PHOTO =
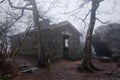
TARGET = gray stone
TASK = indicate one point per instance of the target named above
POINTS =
(104, 59)
(108, 73)
(115, 57)
(109, 36)
(34, 68)
(26, 71)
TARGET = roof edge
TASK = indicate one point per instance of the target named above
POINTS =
(62, 24)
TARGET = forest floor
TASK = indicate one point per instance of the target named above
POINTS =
(66, 70)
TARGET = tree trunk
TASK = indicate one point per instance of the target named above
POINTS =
(87, 65)
(41, 48)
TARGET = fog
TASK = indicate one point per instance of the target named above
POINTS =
(54, 31)
(59, 11)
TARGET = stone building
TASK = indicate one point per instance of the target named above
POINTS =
(58, 40)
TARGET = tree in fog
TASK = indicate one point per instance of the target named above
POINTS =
(31, 5)
(5, 29)
(87, 65)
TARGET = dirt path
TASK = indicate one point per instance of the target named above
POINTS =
(66, 70)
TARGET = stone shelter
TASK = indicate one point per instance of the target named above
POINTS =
(60, 40)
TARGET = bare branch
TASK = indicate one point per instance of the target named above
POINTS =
(82, 5)
(17, 51)
(83, 20)
(16, 7)
(87, 14)
(99, 1)
(27, 31)
(16, 19)
(50, 7)
(2, 1)
(100, 21)
(114, 5)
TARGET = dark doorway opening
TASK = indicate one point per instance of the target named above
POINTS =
(65, 43)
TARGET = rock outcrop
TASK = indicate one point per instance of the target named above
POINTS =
(106, 40)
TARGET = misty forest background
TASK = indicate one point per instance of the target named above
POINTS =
(96, 20)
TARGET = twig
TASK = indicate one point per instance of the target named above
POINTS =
(2, 1)
(22, 12)
(16, 7)
(82, 5)
(100, 21)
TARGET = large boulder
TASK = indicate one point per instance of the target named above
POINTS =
(106, 40)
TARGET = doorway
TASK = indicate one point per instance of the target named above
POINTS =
(65, 43)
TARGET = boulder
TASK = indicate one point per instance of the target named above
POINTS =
(106, 40)
(104, 59)
(115, 57)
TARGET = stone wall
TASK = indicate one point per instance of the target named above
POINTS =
(52, 39)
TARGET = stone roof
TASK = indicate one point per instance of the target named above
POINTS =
(62, 24)
(53, 27)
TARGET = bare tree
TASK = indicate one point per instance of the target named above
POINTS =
(32, 6)
(5, 29)
(87, 65)
(2, 1)
(5, 26)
